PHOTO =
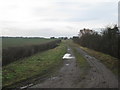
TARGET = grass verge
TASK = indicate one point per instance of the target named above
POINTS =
(37, 64)
(81, 61)
(83, 64)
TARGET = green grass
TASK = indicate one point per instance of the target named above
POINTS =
(81, 61)
(37, 64)
(16, 42)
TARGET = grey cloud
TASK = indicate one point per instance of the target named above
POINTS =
(74, 12)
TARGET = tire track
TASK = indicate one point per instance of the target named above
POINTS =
(103, 77)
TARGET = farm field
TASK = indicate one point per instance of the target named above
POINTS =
(17, 42)
(17, 48)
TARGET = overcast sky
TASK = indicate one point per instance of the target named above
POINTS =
(55, 17)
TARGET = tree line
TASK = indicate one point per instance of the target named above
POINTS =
(108, 41)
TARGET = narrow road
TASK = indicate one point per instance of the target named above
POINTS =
(69, 75)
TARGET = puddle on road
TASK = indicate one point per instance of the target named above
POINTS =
(68, 56)
(53, 78)
(68, 49)
(87, 56)
(67, 64)
(24, 87)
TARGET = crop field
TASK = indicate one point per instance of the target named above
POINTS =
(17, 42)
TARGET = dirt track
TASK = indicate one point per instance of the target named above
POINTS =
(69, 75)
(99, 76)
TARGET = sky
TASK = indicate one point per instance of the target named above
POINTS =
(47, 18)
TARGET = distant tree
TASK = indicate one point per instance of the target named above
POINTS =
(65, 38)
(52, 37)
